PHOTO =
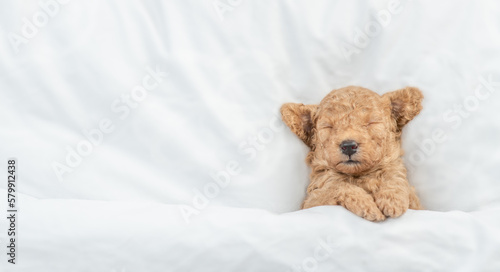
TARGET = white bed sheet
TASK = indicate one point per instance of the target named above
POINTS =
(197, 173)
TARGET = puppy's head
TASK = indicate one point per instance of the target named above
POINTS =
(353, 128)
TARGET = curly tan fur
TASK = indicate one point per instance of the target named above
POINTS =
(372, 182)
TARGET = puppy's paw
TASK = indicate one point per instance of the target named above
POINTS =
(392, 206)
(365, 208)
(372, 213)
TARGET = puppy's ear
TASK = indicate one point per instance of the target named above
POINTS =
(299, 118)
(405, 104)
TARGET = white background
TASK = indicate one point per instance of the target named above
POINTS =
(128, 204)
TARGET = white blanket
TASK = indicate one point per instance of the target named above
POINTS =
(148, 138)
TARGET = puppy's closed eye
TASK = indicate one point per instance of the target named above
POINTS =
(372, 123)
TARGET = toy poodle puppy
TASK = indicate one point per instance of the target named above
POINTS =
(355, 139)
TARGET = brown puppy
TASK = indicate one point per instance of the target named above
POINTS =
(355, 140)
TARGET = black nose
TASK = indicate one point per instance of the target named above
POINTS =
(349, 147)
